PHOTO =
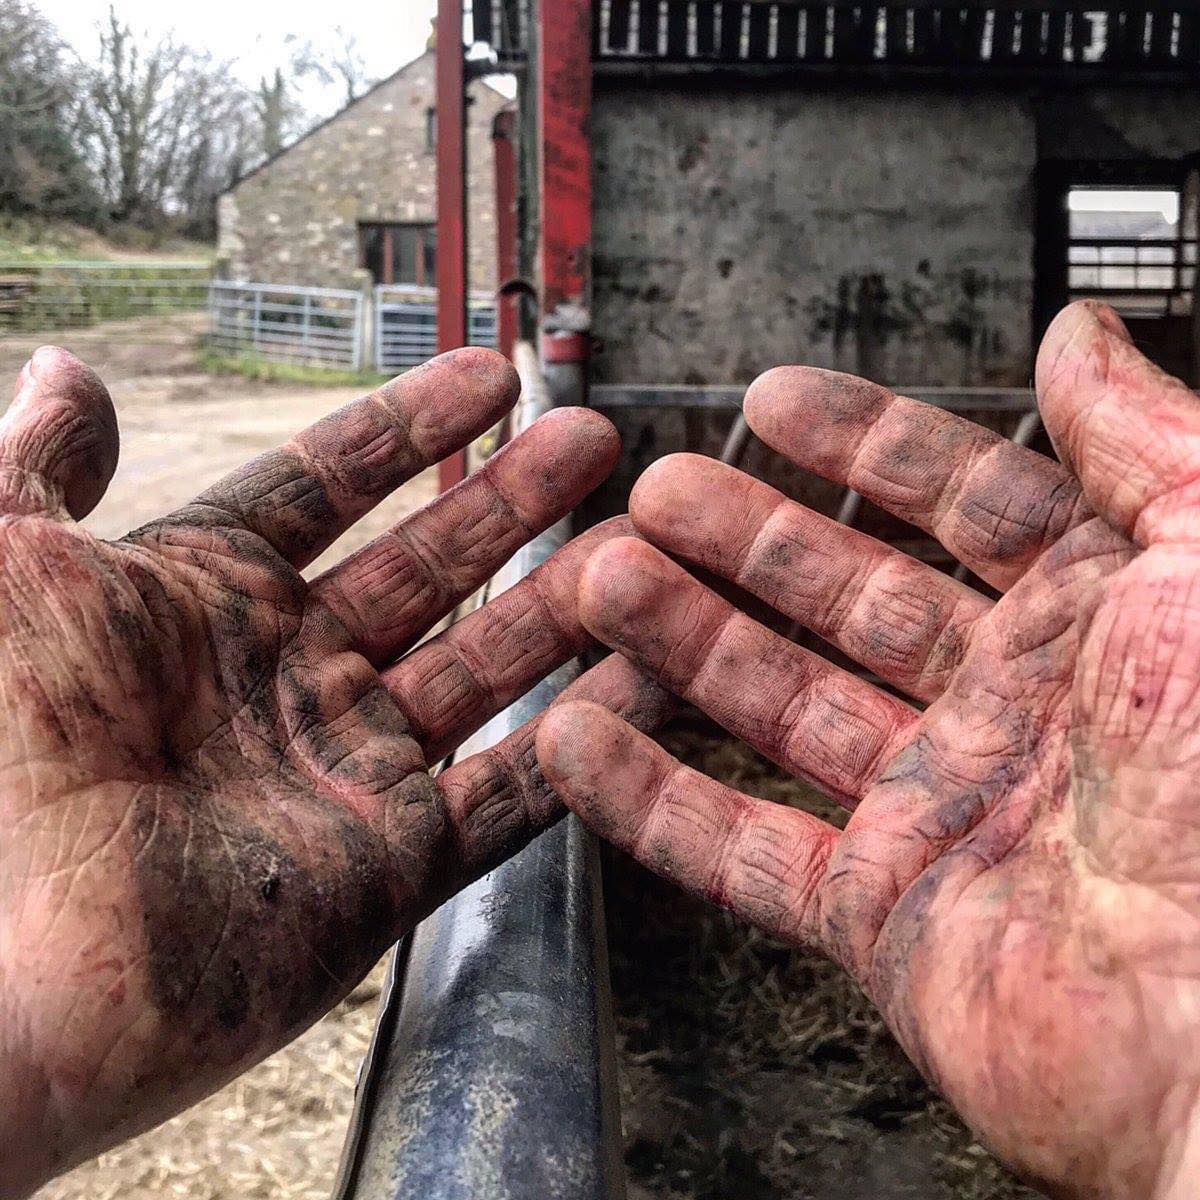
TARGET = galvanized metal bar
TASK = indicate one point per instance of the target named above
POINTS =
(451, 199)
(492, 1075)
(356, 333)
(504, 160)
(406, 327)
(377, 330)
(317, 326)
(736, 442)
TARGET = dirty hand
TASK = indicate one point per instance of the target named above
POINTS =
(215, 810)
(1018, 888)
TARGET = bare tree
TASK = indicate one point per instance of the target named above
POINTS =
(41, 167)
(342, 63)
(280, 115)
(167, 123)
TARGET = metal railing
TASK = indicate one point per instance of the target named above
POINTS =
(1025, 35)
(73, 294)
(406, 325)
(321, 327)
(1138, 269)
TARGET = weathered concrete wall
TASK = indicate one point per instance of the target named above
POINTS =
(296, 219)
(889, 232)
(885, 233)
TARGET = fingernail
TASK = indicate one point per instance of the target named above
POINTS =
(1107, 317)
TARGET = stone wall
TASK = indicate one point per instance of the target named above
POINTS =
(884, 231)
(295, 220)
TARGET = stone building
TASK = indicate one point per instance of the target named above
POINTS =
(356, 196)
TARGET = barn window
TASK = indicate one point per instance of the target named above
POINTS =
(397, 253)
(1127, 246)
(431, 131)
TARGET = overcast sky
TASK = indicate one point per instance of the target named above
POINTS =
(253, 31)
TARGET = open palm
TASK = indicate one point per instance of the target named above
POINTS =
(1018, 887)
(216, 810)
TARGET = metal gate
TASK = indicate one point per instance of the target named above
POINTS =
(406, 325)
(76, 294)
(309, 326)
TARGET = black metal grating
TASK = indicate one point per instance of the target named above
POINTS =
(1085, 36)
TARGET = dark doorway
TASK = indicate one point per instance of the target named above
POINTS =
(397, 253)
(1121, 232)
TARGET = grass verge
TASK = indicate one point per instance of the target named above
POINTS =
(262, 370)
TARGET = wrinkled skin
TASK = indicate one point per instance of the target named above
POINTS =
(215, 808)
(1018, 887)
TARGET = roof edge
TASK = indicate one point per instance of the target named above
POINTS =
(274, 158)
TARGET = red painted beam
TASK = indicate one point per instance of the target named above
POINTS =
(564, 81)
(505, 161)
(451, 199)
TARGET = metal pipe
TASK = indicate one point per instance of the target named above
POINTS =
(736, 442)
(494, 1074)
(504, 158)
(451, 200)
(564, 100)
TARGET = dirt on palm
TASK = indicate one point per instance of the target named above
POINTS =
(277, 1131)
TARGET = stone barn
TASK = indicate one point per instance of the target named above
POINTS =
(354, 200)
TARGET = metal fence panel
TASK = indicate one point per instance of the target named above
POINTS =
(319, 327)
(406, 325)
(73, 294)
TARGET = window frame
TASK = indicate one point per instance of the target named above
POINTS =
(387, 230)
(1056, 178)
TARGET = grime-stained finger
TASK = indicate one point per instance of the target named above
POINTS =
(498, 799)
(448, 686)
(900, 618)
(1128, 430)
(764, 861)
(391, 591)
(58, 439)
(994, 505)
(301, 497)
(813, 718)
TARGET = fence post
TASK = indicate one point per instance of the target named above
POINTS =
(361, 321)
(257, 318)
(366, 343)
(377, 324)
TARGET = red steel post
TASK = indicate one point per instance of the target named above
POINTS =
(564, 82)
(451, 200)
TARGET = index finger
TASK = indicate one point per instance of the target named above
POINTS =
(301, 497)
